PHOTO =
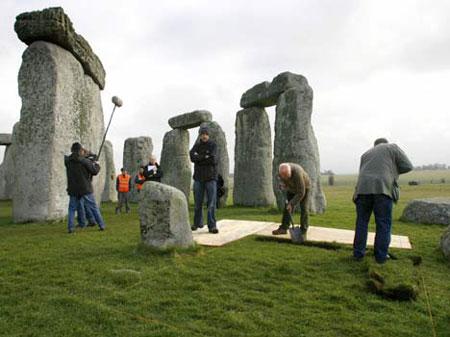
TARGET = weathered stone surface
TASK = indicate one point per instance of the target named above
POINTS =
(60, 105)
(190, 119)
(5, 139)
(266, 94)
(53, 25)
(223, 165)
(109, 192)
(428, 211)
(258, 96)
(445, 243)
(7, 172)
(175, 162)
(295, 142)
(164, 218)
(136, 153)
(253, 159)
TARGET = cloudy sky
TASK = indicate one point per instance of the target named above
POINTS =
(377, 68)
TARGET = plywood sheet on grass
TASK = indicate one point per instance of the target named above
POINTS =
(231, 230)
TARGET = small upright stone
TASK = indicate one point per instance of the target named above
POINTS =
(445, 243)
(164, 218)
(53, 25)
(136, 153)
(190, 120)
(109, 192)
(175, 162)
(5, 139)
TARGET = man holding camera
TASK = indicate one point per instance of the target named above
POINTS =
(80, 170)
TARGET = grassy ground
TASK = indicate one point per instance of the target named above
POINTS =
(99, 284)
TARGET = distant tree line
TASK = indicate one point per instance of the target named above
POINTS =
(432, 167)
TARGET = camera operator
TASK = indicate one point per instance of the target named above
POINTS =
(80, 170)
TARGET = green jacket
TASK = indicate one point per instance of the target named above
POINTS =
(379, 170)
(297, 184)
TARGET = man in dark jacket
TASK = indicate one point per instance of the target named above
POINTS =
(204, 156)
(79, 186)
(375, 191)
(152, 171)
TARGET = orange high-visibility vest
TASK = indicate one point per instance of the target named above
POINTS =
(124, 183)
(139, 186)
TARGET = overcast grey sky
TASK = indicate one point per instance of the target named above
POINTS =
(377, 68)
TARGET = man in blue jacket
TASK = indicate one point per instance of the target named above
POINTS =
(204, 156)
(375, 191)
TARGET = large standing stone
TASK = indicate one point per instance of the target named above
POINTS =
(217, 135)
(136, 153)
(109, 192)
(295, 141)
(53, 25)
(428, 211)
(164, 218)
(190, 119)
(60, 105)
(445, 243)
(175, 162)
(253, 159)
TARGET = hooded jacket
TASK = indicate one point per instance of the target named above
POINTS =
(79, 174)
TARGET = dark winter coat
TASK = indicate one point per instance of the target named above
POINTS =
(204, 157)
(79, 174)
(151, 175)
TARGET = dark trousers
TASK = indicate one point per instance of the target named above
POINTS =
(304, 212)
(122, 199)
(200, 188)
(381, 206)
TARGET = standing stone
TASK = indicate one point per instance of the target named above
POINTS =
(60, 105)
(109, 192)
(295, 141)
(136, 153)
(175, 162)
(217, 135)
(253, 159)
(445, 243)
(190, 120)
(164, 218)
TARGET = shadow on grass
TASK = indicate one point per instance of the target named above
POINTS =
(313, 244)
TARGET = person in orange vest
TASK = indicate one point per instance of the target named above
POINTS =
(139, 180)
(123, 187)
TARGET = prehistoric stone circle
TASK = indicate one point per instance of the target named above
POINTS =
(60, 105)
(175, 161)
(217, 135)
(295, 142)
(164, 218)
(53, 25)
(190, 120)
(136, 153)
(428, 211)
(109, 192)
(445, 243)
(253, 159)
(294, 137)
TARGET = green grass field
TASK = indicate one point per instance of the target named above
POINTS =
(100, 284)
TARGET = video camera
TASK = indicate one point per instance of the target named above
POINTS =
(91, 156)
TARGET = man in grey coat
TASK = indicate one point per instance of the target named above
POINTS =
(376, 190)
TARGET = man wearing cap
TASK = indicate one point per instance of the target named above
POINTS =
(79, 171)
(204, 156)
(375, 191)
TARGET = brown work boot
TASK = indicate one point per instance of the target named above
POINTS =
(279, 231)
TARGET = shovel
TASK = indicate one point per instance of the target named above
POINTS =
(295, 232)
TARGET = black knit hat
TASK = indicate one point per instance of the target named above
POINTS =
(203, 129)
(76, 147)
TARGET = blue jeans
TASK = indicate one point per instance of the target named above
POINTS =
(381, 206)
(76, 204)
(200, 187)
(91, 204)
